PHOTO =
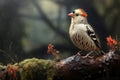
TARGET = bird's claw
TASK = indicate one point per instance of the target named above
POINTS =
(88, 55)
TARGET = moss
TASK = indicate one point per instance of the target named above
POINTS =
(30, 69)
(37, 69)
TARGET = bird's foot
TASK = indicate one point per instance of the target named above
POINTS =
(88, 55)
(79, 52)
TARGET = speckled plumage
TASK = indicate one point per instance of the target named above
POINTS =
(81, 33)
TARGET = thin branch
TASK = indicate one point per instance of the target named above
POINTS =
(8, 55)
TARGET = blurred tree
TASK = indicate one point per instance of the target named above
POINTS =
(11, 29)
(110, 14)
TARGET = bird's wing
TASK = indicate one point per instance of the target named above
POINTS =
(93, 36)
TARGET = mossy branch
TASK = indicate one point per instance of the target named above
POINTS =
(72, 68)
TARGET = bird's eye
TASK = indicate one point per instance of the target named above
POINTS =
(77, 14)
(73, 12)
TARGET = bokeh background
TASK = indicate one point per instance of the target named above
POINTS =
(28, 26)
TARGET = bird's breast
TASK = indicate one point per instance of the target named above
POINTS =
(81, 40)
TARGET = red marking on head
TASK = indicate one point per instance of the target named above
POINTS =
(83, 13)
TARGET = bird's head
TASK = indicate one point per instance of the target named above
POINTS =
(78, 15)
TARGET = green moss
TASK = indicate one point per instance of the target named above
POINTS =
(34, 69)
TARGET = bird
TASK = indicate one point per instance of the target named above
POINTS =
(82, 33)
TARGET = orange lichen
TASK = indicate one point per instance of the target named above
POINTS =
(54, 52)
(12, 70)
(112, 43)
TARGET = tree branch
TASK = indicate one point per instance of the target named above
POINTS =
(75, 67)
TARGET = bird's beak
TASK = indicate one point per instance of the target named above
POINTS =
(71, 14)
